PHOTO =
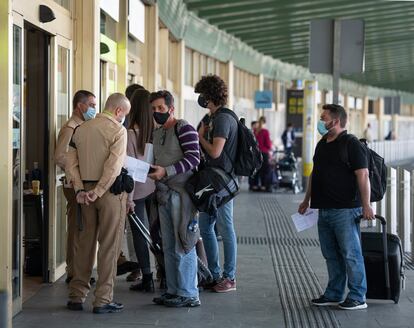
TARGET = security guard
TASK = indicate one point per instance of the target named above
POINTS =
(95, 159)
(84, 104)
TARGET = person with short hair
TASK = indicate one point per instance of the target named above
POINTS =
(341, 192)
(84, 109)
(94, 161)
(288, 138)
(219, 143)
(176, 154)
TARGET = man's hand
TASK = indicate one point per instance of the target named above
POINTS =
(202, 130)
(158, 174)
(91, 196)
(303, 207)
(130, 206)
(368, 213)
(81, 198)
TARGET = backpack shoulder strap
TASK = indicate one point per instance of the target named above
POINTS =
(343, 150)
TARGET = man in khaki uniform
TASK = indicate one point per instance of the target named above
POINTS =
(84, 103)
(95, 158)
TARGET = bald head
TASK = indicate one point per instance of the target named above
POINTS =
(118, 105)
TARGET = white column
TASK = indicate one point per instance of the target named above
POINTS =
(230, 86)
(391, 216)
(122, 47)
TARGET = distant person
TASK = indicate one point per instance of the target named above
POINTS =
(288, 138)
(265, 145)
(254, 125)
(390, 135)
(368, 133)
(341, 192)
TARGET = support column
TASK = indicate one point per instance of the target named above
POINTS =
(150, 57)
(6, 160)
(365, 105)
(86, 46)
(309, 128)
(122, 47)
(180, 78)
(380, 114)
(164, 55)
(230, 85)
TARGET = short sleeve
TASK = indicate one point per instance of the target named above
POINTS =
(357, 155)
(221, 128)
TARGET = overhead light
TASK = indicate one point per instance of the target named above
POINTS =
(46, 14)
(104, 48)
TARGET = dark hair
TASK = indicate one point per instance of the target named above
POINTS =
(213, 88)
(337, 112)
(129, 91)
(253, 123)
(166, 95)
(262, 119)
(289, 125)
(141, 115)
(81, 96)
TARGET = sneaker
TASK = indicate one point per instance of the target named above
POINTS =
(108, 308)
(225, 285)
(350, 304)
(181, 301)
(323, 301)
(164, 297)
(74, 306)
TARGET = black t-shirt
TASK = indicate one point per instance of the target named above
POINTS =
(334, 183)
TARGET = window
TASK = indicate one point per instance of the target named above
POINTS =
(371, 107)
(64, 3)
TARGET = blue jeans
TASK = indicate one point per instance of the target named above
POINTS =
(225, 227)
(180, 268)
(341, 248)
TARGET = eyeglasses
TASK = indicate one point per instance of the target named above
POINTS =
(163, 136)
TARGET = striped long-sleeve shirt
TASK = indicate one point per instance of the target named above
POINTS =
(188, 139)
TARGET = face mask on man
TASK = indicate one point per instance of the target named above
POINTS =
(89, 114)
(122, 120)
(161, 118)
(322, 129)
(202, 101)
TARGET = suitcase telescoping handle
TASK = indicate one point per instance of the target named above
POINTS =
(385, 251)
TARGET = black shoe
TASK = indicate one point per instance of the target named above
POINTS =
(126, 267)
(92, 281)
(181, 301)
(323, 301)
(108, 308)
(350, 304)
(147, 284)
(74, 306)
(164, 297)
(211, 284)
(68, 279)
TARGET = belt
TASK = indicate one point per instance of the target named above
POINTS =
(90, 181)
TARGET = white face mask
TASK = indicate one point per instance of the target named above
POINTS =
(122, 121)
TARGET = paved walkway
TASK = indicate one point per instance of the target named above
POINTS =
(278, 271)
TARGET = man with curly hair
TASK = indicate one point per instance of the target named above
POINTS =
(219, 142)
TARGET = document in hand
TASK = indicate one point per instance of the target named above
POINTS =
(305, 221)
(137, 169)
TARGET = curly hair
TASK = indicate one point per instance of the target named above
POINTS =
(213, 88)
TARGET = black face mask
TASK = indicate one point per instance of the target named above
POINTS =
(202, 101)
(161, 118)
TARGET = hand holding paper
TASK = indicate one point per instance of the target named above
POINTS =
(305, 221)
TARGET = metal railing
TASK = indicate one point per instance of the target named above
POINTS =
(394, 150)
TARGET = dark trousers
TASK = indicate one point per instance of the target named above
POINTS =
(264, 174)
(140, 245)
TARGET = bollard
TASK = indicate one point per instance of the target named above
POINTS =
(3, 309)
(392, 201)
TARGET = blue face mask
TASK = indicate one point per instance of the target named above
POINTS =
(322, 128)
(89, 114)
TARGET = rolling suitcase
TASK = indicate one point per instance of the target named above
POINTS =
(384, 263)
(203, 273)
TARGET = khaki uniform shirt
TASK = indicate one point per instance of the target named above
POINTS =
(97, 153)
(64, 137)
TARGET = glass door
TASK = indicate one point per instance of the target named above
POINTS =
(61, 109)
(17, 265)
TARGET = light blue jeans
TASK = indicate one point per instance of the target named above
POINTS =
(341, 247)
(180, 268)
(225, 227)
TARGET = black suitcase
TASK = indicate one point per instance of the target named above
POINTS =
(203, 273)
(384, 263)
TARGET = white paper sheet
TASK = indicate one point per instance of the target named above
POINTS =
(305, 221)
(137, 169)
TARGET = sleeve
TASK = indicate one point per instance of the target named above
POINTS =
(221, 127)
(188, 139)
(113, 164)
(267, 140)
(357, 155)
(72, 165)
(64, 137)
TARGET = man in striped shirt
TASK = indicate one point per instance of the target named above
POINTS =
(176, 153)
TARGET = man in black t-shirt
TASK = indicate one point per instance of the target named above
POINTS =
(218, 140)
(341, 192)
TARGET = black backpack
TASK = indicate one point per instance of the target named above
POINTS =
(248, 156)
(376, 167)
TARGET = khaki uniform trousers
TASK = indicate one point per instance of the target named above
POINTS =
(103, 223)
(71, 209)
